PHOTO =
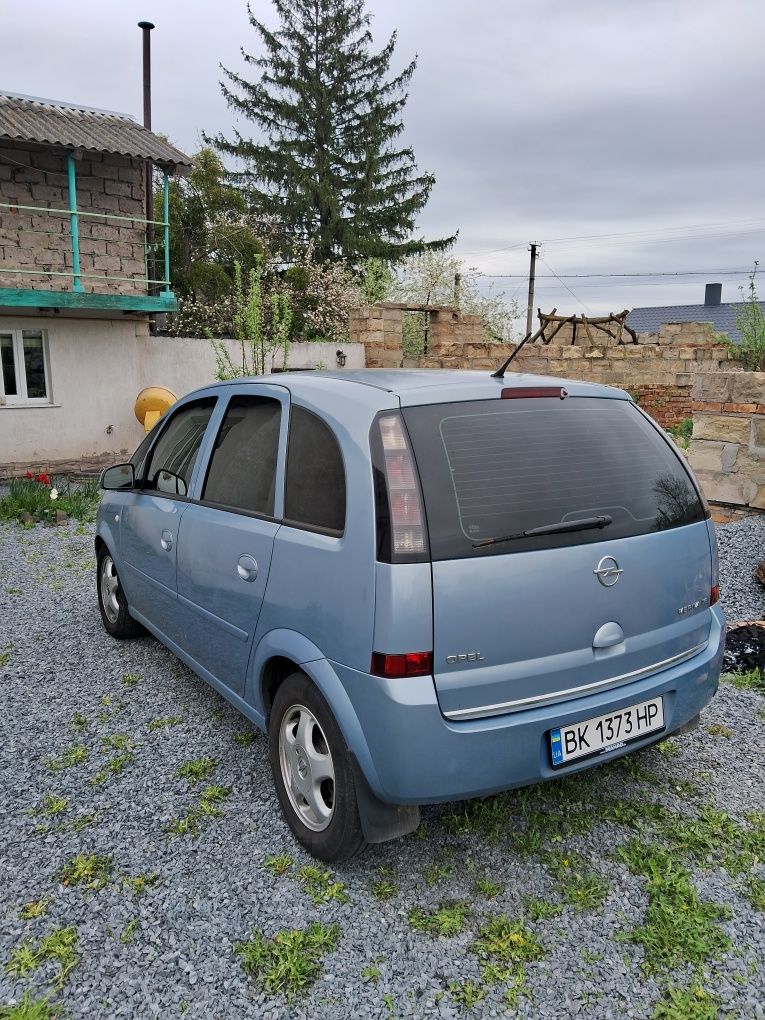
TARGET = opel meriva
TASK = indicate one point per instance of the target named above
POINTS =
(423, 585)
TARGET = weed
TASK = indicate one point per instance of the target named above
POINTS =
(13, 591)
(755, 892)
(73, 756)
(668, 748)
(91, 870)
(383, 889)
(678, 927)
(216, 715)
(195, 771)
(34, 909)
(79, 721)
(750, 680)
(319, 885)
(245, 739)
(489, 817)
(485, 887)
(278, 864)
(467, 993)
(507, 942)
(59, 946)
(118, 742)
(718, 730)
(139, 884)
(164, 723)
(53, 805)
(210, 797)
(540, 910)
(686, 1004)
(577, 883)
(128, 932)
(185, 825)
(370, 973)
(389, 1001)
(290, 962)
(437, 873)
(30, 1009)
(448, 920)
(113, 767)
(130, 679)
(682, 432)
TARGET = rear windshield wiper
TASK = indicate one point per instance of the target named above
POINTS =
(581, 524)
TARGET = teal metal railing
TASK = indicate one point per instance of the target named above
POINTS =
(75, 215)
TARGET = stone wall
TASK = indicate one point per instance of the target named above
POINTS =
(727, 450)
(39, 242)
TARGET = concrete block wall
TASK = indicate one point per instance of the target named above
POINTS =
(379, 329)
(40, 241)
(727, 450)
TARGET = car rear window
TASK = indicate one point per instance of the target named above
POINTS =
(495, 468)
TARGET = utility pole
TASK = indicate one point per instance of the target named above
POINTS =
(532, 276)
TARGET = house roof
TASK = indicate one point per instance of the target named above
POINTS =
(722, 317)
(50, 122)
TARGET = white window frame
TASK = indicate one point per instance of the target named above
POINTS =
(15, 399)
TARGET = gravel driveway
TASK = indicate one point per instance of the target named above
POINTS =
(613, 894)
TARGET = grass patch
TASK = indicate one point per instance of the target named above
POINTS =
(289, 963)
(540, 910)
(195, 771)
(505, 941)
(678, 927)
(245, 739)
(31, 1009)
(577, 884)
(59, 946)
(718, 730)
(755, 892)
(141, 883)
(447, 921)
(164, 723)
(53, 805)
(467, 993)
(70, 758)
(320, 886)
(371, 973)
(210, 797)
(278, 864)
(34, 909)
(130, 679)
(489, 817)
(113, 767)
(184, 825)
(485, 887)
(128, 932)
(749, 680)
(91, 870)
(686, 1004)
(78, 721)
(438, 873)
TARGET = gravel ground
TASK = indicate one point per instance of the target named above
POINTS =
(742, 546)
(212, 890)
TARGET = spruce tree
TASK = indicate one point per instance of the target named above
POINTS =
(326, 163)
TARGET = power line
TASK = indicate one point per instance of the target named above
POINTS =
(585, 276)
(573, 295)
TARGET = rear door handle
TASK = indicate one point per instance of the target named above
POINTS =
(247, 568)
(166, 541)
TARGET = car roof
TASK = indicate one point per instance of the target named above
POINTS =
(425, 386)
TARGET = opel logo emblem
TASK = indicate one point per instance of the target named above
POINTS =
(608, 571)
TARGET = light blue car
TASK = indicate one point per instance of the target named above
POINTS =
(423, 585)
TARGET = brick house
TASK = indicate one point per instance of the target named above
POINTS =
(75, 292)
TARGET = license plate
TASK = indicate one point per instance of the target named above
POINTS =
(606, 732)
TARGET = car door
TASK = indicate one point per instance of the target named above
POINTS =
(152, 512)
(227, 533)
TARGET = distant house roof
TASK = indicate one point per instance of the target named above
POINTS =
(722, 315)
(49, 122)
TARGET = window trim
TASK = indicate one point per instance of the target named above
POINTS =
(315, 529)
(17, 345)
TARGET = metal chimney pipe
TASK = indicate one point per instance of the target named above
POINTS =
(713, 294)
(146, 27)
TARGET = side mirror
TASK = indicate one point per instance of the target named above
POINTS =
(121, 476)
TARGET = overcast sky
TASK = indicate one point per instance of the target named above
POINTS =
(643, 120)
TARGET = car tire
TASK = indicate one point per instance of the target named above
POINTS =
(115, 615)
(313, 773)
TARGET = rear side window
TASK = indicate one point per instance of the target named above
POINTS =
(315, 495)
(242, 473)
(497, 468)
(172, 460)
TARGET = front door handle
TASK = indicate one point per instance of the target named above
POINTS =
(247, 568)
(166, 541)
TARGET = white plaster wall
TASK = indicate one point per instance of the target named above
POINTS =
(98, 367)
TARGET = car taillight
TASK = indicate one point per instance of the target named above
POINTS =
(401, 665)
(407, 517)
(714, 594)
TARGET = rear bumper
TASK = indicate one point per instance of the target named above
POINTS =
(420, 757)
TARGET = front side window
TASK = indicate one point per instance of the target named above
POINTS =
(24, 366)
(242, 473)
(172, 460)
(315, 494)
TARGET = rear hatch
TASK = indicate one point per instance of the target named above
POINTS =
(532, 620)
